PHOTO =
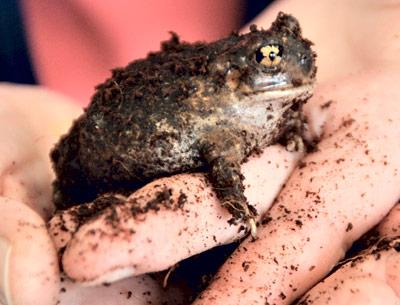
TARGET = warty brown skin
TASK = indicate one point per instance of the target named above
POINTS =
(189, 107)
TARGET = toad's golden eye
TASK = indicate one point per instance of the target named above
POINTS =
(269, 55)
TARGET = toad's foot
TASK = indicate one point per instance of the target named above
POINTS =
(242, 212)
(295, 143)
(251, 224)
(297, 136)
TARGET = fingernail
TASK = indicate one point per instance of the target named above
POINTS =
(5, 251)
(111, 276)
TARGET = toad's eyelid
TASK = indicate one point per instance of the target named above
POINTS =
(271, 45)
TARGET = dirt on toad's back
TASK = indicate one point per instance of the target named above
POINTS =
(124, 111)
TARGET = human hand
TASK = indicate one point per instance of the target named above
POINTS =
(104, 243)
(32, 120)
(311, 220)
(370, 277)
(340, 192)
(28, 261)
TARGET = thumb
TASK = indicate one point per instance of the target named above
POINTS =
(29, 271)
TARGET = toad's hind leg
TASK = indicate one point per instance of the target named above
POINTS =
(227, 181)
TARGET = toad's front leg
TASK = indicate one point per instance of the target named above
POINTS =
(224, 158)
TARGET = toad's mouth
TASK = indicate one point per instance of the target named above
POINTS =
(287, 92)
(282, 83)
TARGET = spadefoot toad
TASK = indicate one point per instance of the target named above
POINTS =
(189, 108)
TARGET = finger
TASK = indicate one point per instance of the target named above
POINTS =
(180, 216)
(372, 277)
(28, 262)
(142, 290)
(340, 192)
(26, 138)
(64, 224)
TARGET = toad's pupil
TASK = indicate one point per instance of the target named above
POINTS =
(272, 56)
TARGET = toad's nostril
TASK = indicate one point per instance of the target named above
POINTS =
(304, 59)
(297, 82)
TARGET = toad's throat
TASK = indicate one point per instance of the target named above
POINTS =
(264, 110)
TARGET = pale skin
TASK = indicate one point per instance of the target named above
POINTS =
(352, 179)
(28, 260)
(344, 190)
(373, 274)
